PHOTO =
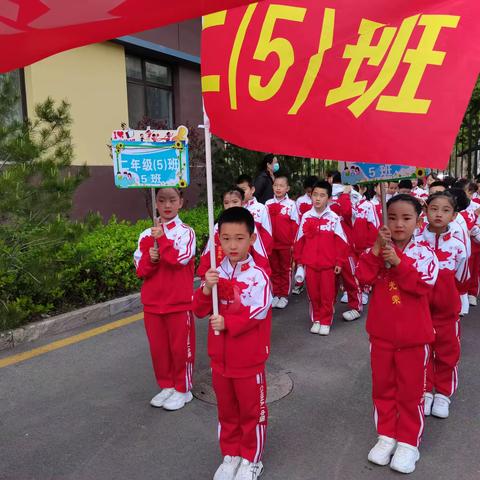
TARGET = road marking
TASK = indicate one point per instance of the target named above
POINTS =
(20, 357)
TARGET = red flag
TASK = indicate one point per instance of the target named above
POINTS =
(368, 81)
(34, 29)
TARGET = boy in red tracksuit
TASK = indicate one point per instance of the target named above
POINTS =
(258, 210)
(284, 215)
(321, 249)
(165, 256)
(238, 354)
(233, 198)
(402, 272)
(445, 304)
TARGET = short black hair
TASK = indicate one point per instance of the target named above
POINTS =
(472, 187)
(420, 182)
(325, 186)
(244, 178)
(461, 198)
(178, 190)
(405, 197)
(234, 189)
(309, 182)
(439, 183)
(336, 176)
(452, 200)
(370, 191)
(461, 183)
(282, 175)
(237, 215)
(449, 181)
(405, 184)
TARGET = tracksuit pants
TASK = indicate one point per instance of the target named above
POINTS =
(442, 370)
(242, 415)
(474, 266)
(321, 291)
(281, 265)
(398, 387)
(350, 284)
(172, 346)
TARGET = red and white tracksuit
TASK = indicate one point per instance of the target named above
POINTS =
(366, 223)
(420, 193)
(304, 204)
(400, 328)
(445, 308)
(257, 250)
(238, 356)
(262, 221)
(168, 319)
(320, 246)
(473, 224)
(284, 217)
(342, 204)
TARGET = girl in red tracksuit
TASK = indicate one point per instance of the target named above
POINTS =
(238, 354)
(321, 249)
(165, 256)
(233, 198)
(284, 216)
(402, 272)
(445, 303)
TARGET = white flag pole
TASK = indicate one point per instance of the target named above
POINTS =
(211, 221)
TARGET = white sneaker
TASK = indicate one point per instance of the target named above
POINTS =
(249, 471)
(177, 400)
(364, 298)
(472, 300)
(275, 302)
(405, 458)
(282, 302)
(427, 406)
(324, 330)
(298, 289)
(351, 315)
(440, 407)
(315, 327)
(226, 471)
(383, 450)
(344, 298)
(465, 305)
(159, 399)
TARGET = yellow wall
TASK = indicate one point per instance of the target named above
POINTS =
(93, 80)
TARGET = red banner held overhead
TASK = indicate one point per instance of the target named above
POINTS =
(371, 81)
(34, 29)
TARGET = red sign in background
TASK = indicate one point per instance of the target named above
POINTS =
(371, 80)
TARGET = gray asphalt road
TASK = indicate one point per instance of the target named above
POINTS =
(82, 412)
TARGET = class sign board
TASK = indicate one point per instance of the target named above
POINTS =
(151, 158)
(376, 81)
(358, 173)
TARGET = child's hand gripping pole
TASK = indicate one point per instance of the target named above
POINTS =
(154, 215)
(384, 215)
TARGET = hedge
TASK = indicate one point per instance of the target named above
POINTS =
(93, 263)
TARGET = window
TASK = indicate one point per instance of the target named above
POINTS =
(149, 90)
(18, 84)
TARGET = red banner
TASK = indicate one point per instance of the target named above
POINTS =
(34, 29)
(367, 80)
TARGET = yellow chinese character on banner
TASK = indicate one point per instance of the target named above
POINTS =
(394, 41)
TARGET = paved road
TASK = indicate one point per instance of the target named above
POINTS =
(82, 412)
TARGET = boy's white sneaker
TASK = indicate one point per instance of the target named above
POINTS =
(324, 330)
(282, 302)
(472, 300)
(344, 298)
(351, 315)
(177, 400)
(405, 458)
(440, 407)
(427, 406)
(249, 470)
(275, 302)
(315, 327)
(364, 298)
(160, 398)
(383, 450)
(226, 471)
(465, 305)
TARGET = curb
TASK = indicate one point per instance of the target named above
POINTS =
(77, 318)
(68, 321)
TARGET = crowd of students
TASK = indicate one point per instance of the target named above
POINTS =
(418, 269)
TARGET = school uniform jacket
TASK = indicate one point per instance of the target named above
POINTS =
(304, 204)
(245, 299)
(285, 220)
(399, 311)
(342, 204)
(453, 271)
(321, 242)
(262, 221)
(366, 223)
(176, 249)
